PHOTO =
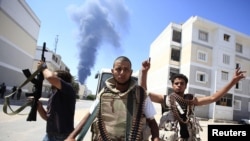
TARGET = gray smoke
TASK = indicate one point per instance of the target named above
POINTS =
(98, 21)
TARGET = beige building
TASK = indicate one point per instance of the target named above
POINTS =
(207, 53)
(19, 29)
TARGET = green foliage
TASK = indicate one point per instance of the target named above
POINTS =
(91, 97)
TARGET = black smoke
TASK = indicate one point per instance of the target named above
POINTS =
(98, 21)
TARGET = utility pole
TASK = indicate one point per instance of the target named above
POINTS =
(56, 41)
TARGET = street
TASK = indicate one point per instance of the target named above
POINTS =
(15, 127)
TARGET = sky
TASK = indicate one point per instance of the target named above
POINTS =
(92, 33)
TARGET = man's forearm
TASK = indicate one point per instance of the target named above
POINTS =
(143, 79)
(78, 128)
(41, 111)
(154, 129)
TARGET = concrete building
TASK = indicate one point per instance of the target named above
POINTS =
(207, 53)
(19, 29)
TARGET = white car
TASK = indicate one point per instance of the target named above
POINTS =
(245, 121)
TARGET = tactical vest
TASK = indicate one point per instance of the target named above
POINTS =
(121, 116)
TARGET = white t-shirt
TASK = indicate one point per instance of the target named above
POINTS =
(149, 108)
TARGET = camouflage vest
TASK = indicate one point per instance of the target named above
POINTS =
(121, 116)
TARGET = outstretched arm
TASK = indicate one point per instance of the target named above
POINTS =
(238, 75)
(78, 128)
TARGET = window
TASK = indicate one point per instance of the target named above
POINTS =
(203, 36)
(224, 75)
(238, 48)
(226, 100)
(237, 65)
(238, 86)
(175, 54)
(173, 71)
(54, 58)
(201, 77)
(237, 105)
(176, 36)
(226, 37)
(202, 56)
(226, 59)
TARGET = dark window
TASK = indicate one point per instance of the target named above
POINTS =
(226, 37)
(173, 71)
(203, 36)
(201, 78)
(176, 36)
(225, 100)
(175, 55)
(237, 85)
(238, 48)
(237, 65)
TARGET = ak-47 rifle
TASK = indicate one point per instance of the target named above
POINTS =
(38, 85)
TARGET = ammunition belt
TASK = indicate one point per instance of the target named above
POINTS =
(136, 128)
(183, 103)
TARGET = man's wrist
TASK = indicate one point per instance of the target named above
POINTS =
(44, 66)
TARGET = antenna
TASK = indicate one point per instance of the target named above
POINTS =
(56, 41)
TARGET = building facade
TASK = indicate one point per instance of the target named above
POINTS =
(207, 53)
(19, 29)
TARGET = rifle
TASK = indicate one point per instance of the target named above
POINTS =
(38, 85)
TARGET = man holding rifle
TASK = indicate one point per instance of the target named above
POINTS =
(61, 104)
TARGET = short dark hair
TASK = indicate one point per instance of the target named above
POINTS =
(64, 75)
(181, 76)
(123, 58)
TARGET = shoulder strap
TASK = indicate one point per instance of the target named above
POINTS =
(6, 99)
(164, 106)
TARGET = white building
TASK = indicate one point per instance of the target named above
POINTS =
(19, 29)
(207, 53)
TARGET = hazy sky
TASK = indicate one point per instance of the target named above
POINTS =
(92, 33)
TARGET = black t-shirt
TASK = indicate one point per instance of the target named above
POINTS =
(61, 110)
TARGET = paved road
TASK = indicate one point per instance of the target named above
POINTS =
(15, 127)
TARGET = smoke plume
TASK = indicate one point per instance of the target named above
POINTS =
(98, 21)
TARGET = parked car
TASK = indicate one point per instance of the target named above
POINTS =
(245, 121)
